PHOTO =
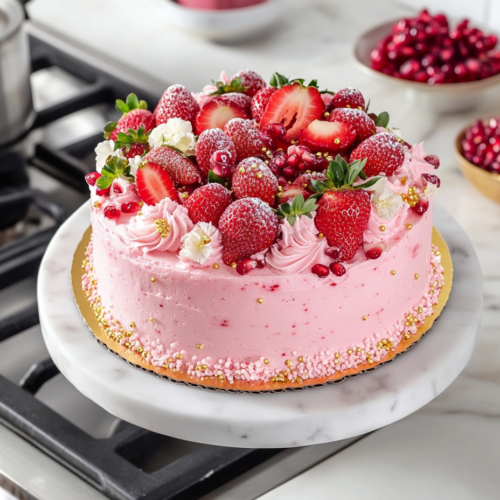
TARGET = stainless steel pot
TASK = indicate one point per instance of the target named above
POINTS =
(16, 105)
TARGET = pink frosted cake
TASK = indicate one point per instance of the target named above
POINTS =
(257, 236)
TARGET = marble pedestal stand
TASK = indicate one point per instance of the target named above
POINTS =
(288, 419)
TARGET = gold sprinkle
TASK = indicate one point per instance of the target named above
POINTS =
(358, 349)
(266, 361)
(153, 279)
(233, 265)
(329, 158)
(140, 349)
(321, 235)
(336, 140)
(141, 203)
(325, 154)
(206, 240)
(139, 213)
(349, 351)
(165, 366)
(298, 380)
(382, 228)
(407, 335)
(215, 266)
(151, 319)
(393, 272)
(169, 360)
(364, 318)
(203, 367)
(185, 195)
(337, 355)
(288, 362)
(326, 114)
(259, 175)
(438, 253)
(179, 356)
(264, 149)
(221, 377)
(97, 204)
(241, 170)
(301, 359)
(145, 354)
(273, 379)
(420, 310)
(409, 226)
(199, 346)
(260, 300)
(255, 167)
(417, 276)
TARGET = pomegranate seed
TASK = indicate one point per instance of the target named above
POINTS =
(320, 270)
(244, 266)
(111, 212)
(103, 192)
(337, 268)
(293, 160)
(421, 207)
(433, 160)
(333, 253)
(433, 179)
(117, 188)
(289, 173)
(374, 253)
(268, 140)
(130, 207)
(276, 130)
(92, 178)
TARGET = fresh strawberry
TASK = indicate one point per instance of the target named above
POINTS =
(290, 191)
(180, 169)
(176, 102)
(210, 141)
(328, 136)
(295, 106)
(304, 180)
(245, 136)
(134, 115)
(250, 79)
(248, 226)
(383, 152)
(363, 124)
(241, 100)
(133, 142)
(133, 120)
(207, 203)
(216, 114)
(343, 209)
(254, 179)
(349, 98)
(153, 184)
(136, 150)
(259, 102)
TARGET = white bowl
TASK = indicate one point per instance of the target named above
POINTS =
(226, 25)
(441, 98)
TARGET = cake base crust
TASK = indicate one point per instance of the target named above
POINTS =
(214, 383)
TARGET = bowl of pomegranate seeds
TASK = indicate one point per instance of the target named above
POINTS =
(478, 151)
(446, 66)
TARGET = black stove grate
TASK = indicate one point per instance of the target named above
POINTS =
(115, 465)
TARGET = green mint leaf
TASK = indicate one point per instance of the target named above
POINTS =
(121, 106)
(104, 182)
(132, 101)
(382, 119)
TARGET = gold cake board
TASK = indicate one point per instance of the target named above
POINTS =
(213, 383)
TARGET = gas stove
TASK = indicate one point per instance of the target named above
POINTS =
(54, 440)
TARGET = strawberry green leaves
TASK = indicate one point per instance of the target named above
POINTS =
(382, 119)
(131, 103)
(235, 85)
(115, 167)
(298, 208)
(213, 177)
(341, 175)
(126, 140)
(279, 81)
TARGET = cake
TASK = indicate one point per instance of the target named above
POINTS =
(259, 237)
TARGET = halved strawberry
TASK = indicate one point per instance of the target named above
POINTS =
(328, 136)
(180, 169)
(216, 114)
(292, 190)
(295, 106)
(154, 184)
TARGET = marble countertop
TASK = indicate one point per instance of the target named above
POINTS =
(451, 447)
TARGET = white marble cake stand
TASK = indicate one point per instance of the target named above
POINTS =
(312, 416)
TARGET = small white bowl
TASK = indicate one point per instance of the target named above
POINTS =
(226, 25)
(441, 98)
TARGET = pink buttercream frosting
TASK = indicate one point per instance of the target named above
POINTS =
(410, 173)
(145, 234)
(299, 248)
(392, 227)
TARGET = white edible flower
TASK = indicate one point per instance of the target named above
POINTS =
(177, 133)
(134, 164)
(430, 190)
(102, 151)
(196, 245)
(387, 204)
